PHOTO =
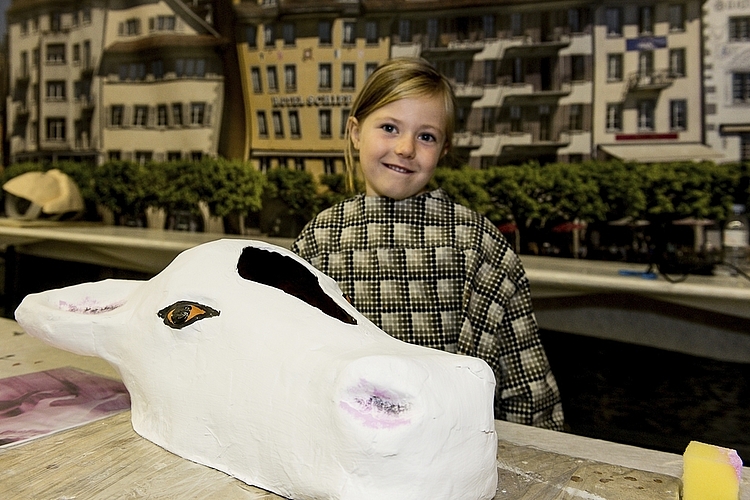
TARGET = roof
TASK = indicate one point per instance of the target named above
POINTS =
(661, 153)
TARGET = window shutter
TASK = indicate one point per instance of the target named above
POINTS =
(207, 118)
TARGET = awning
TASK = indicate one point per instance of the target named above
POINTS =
(658, 153)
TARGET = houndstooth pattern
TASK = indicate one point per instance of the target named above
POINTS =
(431, 272)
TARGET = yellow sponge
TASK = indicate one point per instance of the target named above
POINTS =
(710, 473)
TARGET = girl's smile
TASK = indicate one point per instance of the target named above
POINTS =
(400, 145)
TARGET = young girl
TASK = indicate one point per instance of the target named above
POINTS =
(426, 270)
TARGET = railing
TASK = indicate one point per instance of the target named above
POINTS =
(655, 80)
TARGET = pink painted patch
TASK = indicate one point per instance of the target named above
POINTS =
(374, 407)
(88, 306)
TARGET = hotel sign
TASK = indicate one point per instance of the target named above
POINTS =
(297, 101)
(647, 43)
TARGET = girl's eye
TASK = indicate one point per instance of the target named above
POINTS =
(389, 128)
(427, 137)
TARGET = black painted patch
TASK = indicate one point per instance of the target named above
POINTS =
(288, 275)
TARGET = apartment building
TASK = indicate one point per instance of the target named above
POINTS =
(727, 77)
(162, 83)
(648, 82)
(53, 52)
(301, 64)
(95, 79)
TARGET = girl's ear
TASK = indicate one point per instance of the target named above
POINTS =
(354, 131)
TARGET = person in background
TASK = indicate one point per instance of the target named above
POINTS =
(425, 269)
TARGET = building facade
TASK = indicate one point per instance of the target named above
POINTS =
(648, 99)
(727, 77)
(98, 79)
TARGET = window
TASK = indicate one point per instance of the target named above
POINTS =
(329, 166)
(516, 24)
(251, 36)
(404, 31)
(76, 53)
(273, 85)
(55, 129)
(432, 32)
(132, 27)
(24, 64)
(370, 68)
(87, 54)
(739, 29)
(488, 26)
(613, 16)
(459, 71)
(489, 72)
(56, 90)
(174, 155)
(646, 63)
(299, 164)
(143, 157)
(132, 71)
(157, 69)
(347, 76)
(294, 127)
(488, 120)
(349, 34)
(577, 20)
(518, 73)
(278, 125)
(56, 53)
(177, 114)
(161, 115)
(678, 114)
(324, 33)
(114, 155)
(646, 20)
(614, 117)
(288, 34)
(198, 113)
(116, 115)
(255, 77)
(614, 67)
(324, 120)
(162, 23)
(677, 63)
(344, 121)
(290, 77)
(264, 164)
(677, 17)
(515, 119)
(262, 125)
(741, 87)
(576, 117)
(744, 147)
(324, 76)
(268, 40)
(578, 68)
(371, 33)
(646, 115)
(86, 15)
(140, 116)
(190, 67)
(55, 21)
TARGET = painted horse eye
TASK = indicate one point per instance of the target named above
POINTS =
(184, 313)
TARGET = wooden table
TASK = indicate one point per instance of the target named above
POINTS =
(107, 459)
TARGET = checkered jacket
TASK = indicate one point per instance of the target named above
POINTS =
(431, 272)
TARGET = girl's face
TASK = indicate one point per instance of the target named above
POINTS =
(400, 145)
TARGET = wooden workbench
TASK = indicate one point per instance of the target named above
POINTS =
(107, 459)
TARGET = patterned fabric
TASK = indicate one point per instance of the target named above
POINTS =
(434, 273)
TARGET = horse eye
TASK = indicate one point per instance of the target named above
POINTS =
(184, 313)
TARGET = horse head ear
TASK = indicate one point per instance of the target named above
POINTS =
(77, 318)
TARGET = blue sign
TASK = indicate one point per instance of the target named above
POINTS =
(647, 43)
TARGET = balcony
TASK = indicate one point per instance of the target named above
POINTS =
(22, 110)
(654, 81)
(467, 140)
(550, 96)
(453, 47)
(531, 47)
(468, 91)
(85, 103)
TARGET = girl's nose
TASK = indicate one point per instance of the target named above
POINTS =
(405, 147)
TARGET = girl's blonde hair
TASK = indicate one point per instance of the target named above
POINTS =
(394, 80)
